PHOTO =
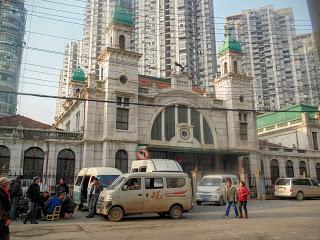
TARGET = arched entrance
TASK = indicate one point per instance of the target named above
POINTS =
(4, 157)
(274, 169)
(65, 166)
(33, 162)
(289, 169)
(122, 161)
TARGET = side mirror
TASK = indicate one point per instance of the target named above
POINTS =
(125, 188)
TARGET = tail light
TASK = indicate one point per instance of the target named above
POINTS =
(291, 190)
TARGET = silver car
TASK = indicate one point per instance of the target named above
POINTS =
(299, 188)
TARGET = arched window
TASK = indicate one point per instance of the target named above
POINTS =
(33, 162)
(122, 41)
(318, 171)
(303, 168)
(65, 166)
(225, 68)
(156, 132)
(289, 169)
(246, 165)
(4, 157)
(274, 168)
(122, 161)
(235, 66)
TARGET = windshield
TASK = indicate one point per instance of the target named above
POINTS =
(107, 180)
(116, 183)
(210, 182)
(283, 182)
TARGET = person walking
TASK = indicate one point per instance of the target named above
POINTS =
(95, 191)
(243, 193)
(15, 195)
(33, 195)
(62, 187)
(4, 208)
(231, 198)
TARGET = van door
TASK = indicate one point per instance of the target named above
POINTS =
(307, 188)
(77, 190)
(131, 196)
(154, 195)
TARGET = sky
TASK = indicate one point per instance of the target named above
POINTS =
(40, 70)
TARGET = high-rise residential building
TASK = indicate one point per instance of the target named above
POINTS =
(272, 56)
(12, 29)
(179, 31)
(314, 6)
(70, 62)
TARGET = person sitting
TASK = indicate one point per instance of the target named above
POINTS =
(54, 202)
(42, 202)
(67, 207)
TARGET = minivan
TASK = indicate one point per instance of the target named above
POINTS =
(84, 181)
(212, 189)
(156, 165)
(299, 188)
(136, 193)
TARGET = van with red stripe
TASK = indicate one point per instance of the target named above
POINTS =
(165, 193)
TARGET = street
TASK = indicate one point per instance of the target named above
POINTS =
(284, 219)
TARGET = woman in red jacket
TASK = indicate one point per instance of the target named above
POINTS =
(243, 193)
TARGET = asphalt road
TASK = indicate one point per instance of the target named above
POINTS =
(284, 219)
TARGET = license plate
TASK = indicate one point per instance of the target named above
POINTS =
(204, 197)
(281, 189)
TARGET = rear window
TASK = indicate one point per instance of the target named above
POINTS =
(301, 182)
(314, 182)
(107, 180)
(283, 182)
(79, 180)
(175, 182)
(210, 182)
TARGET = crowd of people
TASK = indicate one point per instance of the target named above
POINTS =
(37, 205)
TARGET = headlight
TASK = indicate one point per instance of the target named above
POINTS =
(108, 197)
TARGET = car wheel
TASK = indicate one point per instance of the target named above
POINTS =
(199, 203)
(221, 201)
(115, 214)
(300, 196)
(175, 212)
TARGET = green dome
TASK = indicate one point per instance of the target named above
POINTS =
(78, 75)
(230, 44)
(122, 15)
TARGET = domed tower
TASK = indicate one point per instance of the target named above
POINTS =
(77, 82)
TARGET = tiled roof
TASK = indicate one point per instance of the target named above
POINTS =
(159, 83)
(18, 120)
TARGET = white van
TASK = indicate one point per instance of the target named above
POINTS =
(84, 179)
(137, 193)
(156, 165)
(212, 188)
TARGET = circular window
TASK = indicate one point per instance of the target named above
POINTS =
(123, 79)
(185, 134)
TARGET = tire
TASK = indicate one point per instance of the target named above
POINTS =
(199, 203)
(175, 212)
(300, 196)
(221, 201)
(115, 214)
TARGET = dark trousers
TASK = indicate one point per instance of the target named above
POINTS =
(244, 205)
(4, 231)
(32, 212)
(13, 209)
(93, 204)
(228, 206)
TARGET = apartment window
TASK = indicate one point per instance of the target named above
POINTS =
(78, 121)
(315, 141)
(68, 126)
(122, 118)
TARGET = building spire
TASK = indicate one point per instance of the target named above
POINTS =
(122, 14)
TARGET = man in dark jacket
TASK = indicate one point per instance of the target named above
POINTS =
(4, 208)
(33, 195)
(16, 194)
(96, 189)
(62, 187)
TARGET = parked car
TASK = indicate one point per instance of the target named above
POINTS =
(84, 180)
(299, 188)
(212, 189)
(146, 192)
(156, 165)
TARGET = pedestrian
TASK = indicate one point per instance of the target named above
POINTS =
(4, 208)
(243, 193)
(95, 191)
(62, 187)
(15, 195)
(33, 195)
(231, 198)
